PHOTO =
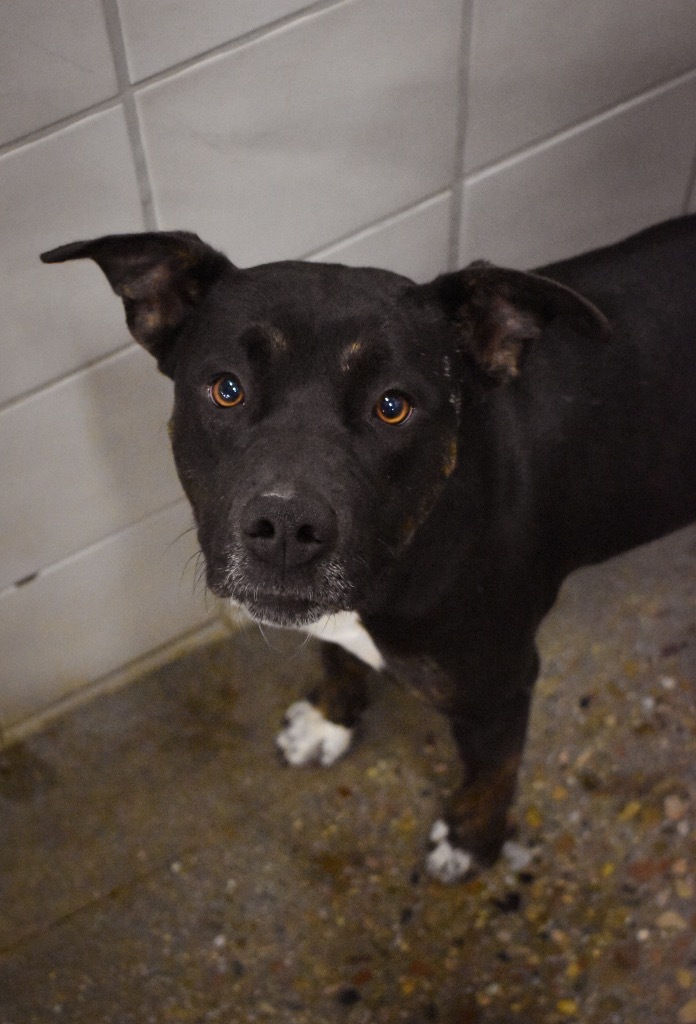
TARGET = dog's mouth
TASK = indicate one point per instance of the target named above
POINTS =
(290, 603)
(290, 612)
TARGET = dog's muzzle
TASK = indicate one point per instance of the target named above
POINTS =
(283, 566)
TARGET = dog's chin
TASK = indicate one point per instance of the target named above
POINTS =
(292, 613)
(293, 605)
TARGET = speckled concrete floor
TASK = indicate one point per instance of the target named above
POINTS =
(159, 864)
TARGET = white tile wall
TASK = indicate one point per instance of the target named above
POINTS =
(628, 169)
(54, 60)
(400, 133)
(309, 132)
(88, 616)
(87, 456)
(414, 243)
(79, 182)
(538, 66)
(192, 27)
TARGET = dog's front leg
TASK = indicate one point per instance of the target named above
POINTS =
(476, 823)
(320, 728)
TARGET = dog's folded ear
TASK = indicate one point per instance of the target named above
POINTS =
(160, 275)
(498, 312)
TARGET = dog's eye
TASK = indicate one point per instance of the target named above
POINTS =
(226, 391)
(393, 408)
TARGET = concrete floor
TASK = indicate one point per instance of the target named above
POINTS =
(160, 864)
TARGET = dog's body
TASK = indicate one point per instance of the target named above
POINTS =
(434, 458)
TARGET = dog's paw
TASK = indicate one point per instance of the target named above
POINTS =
(445, 862)
(517, 857)
(309, 737)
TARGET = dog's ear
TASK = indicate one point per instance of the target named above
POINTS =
(498, 312)
(160, 275)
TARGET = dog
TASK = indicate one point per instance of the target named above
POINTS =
(418, 467)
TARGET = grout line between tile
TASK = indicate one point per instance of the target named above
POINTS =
(38, 134)
(466, 40)
(94, 546)
(367, 229)
(126, 88)
(118, 49)
(66, 378)
(221, 49)
(569, 131)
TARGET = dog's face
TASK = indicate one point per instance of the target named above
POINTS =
(314, 425)
(316, 406)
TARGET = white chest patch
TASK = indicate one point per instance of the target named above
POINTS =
(346, 630)
(343, 628)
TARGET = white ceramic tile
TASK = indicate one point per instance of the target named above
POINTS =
(585, 189)
(78, 183)
(83, 459)
(309, 133)
(54, 60)
(94, 613)
(161, 34)
(414, 243)
(541, 65)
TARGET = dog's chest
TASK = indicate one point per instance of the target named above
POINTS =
(346, 630)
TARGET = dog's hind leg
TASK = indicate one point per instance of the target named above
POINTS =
(320, 728)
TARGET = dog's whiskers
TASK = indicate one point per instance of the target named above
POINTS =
(180, 536)
(267, 642)
(392, 552)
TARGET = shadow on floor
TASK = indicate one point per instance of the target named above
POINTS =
(160, 864)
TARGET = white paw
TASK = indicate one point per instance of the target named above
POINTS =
(518, 857)
(445, 862)
(309, 737)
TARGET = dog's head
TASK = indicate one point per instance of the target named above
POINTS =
(317, 406)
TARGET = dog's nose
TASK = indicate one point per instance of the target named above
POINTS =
(288, 530)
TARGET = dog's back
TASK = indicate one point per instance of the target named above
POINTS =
(626, 439)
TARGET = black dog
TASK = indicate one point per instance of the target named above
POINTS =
(434, 458)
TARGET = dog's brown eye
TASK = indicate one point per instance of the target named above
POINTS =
(226, 391)
(393, 408)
